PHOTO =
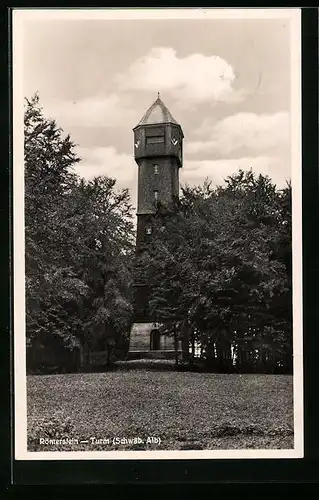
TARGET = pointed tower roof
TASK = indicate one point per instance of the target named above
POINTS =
(157, 113)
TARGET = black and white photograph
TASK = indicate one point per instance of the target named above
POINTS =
(157, 233)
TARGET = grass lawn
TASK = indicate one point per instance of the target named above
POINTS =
(185, 410)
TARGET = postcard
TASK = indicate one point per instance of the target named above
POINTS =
(157, 234)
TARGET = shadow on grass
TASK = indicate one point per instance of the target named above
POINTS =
(156, 365)
(145, 364)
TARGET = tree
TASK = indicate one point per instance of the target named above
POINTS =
(49, 278)
(104, 257)
(216, 267)
(79, 242)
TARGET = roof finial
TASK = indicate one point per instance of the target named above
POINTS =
(158, 95)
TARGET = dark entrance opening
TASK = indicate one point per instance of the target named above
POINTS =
(155, 340)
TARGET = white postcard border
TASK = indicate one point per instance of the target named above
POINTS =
(19, 355)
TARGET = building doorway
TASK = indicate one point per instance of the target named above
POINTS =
(155, 340)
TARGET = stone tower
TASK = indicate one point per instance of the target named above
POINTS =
(158, 152)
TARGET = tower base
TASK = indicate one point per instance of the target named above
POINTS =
(145, 337)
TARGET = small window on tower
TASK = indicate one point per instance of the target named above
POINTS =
(148, 230)
(155, 139)
(156, 195)
(155, 169)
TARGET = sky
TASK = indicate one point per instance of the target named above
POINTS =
(226, 81)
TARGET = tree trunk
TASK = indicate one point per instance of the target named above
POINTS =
(219, 356)
(193, 347)
(262, 360)
(84, 356)
(108, 355)
(227, 358)
(287, 360)
(210, 355)
(238, 358)
(175, 344)
(185, 343)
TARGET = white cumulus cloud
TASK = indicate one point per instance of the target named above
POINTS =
(250, 131)
(96, 111)
(195, 77)
(109, 162)
(195, 172)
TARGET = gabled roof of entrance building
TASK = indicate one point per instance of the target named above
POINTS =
(157, 113)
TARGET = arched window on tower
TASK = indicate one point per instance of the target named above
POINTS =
(155, 169)
(155, 195)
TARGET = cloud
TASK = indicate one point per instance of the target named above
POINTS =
(109, 162)
(243, 131)
(111, 110)
(105, 161)
(195, 172)
(194, 78)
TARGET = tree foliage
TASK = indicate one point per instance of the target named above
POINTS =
(78, 242)
(221, 266)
